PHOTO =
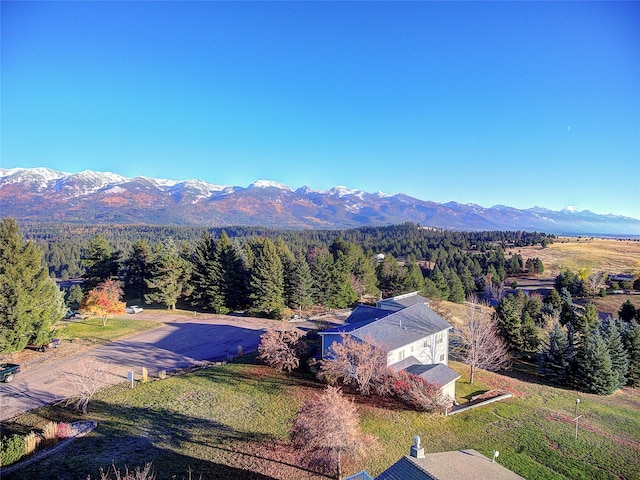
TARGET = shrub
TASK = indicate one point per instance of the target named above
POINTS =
(418, 393)
(50, 433)
(278, 349)
(113, 473)
(11, 449)
(31, 442)
(64, 430)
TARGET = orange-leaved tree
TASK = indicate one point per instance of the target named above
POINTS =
(104, 300)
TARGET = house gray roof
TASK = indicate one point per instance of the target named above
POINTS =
(437, 373)
(365, 312)
(457, 465)
(396, 329)
(401, 301)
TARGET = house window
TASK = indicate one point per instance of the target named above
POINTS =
(439, 338)
(401, 354)
(425, 344)
(442, 357)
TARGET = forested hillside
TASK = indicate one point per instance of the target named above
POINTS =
(238, 268)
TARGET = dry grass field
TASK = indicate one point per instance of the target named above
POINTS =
(611, 256)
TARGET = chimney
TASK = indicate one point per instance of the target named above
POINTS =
(416, 450)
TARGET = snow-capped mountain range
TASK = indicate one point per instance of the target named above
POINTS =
(45, 195)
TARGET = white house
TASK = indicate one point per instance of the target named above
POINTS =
(415, 337)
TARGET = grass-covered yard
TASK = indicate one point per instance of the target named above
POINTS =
(91, 329)
(231, 422)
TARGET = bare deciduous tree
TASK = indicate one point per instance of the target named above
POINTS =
(84, 380)
(278, 349)
(352, 360)
(327, 428)
(479, 343)
(596, 282)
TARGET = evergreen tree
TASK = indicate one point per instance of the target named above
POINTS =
(234, 273)
(508, 312)
(529, 333)
(631, 337)
(74, 296)
(593, 370)
(442, 286)
(414, 280)
(627, 311)
(456, 290)
(553, 298)
(100, 261)
(30, 301)
(288, 265)
(301, 285)
(169, 276)
(321, 264)
(588, 320)
(391, 277)
(467, 280)
(206, 276)
(266, 284)
(339, 290)
(138, 269)
(430, 290)
(617, 353)
(556, 359)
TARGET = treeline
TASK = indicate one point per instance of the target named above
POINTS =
(268, 271)
(573, 346)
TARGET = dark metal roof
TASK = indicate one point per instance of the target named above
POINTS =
(456, 465)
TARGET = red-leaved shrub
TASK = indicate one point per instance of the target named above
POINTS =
(64, 430)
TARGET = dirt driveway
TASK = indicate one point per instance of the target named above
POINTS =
(181, 341)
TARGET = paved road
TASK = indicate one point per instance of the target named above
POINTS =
(180, 342)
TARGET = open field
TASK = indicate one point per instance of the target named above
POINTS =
(231, 422)
(611, 256)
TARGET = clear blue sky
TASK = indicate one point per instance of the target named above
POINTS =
(520, 104)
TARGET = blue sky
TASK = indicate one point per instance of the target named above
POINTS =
(519, 104)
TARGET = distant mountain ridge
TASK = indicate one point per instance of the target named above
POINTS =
(45, 195)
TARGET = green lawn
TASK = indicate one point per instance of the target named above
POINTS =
(91, 329)
(232, 422)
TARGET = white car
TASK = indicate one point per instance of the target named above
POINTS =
(133, 309)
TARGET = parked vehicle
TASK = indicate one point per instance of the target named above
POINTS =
(54, 343)
(8, 371)
(134, 309)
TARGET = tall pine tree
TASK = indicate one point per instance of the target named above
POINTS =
(234, 274)
(619, 361)
(169, 276)
(206, 276)
(266, 283)
(30, 301)
(593, 370)
(556, 359)
(631, 337)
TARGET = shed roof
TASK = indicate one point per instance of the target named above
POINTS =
(456, 465)
(438, 373)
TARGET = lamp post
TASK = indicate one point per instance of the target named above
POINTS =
(576, 411)
(577, 416)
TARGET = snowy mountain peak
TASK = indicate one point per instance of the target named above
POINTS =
(570, 209)
(269, 184)
(342, 191)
